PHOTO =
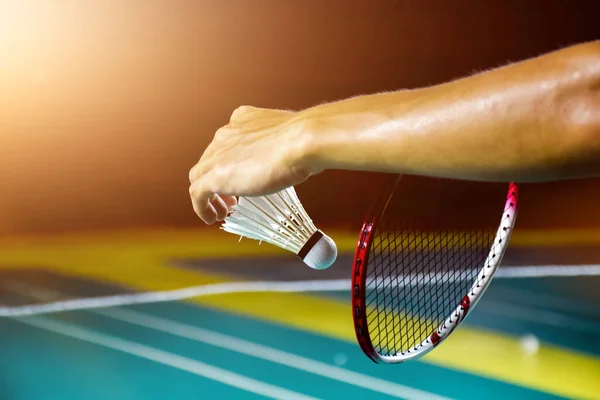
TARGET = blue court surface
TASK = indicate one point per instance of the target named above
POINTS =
(529, 338)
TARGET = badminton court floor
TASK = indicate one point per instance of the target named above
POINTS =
(273, 345)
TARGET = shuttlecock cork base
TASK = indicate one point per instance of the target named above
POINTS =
(319, 252)
(280, 219)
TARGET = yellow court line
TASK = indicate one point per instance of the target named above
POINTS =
(137, 260)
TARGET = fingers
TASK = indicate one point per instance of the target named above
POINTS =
(231, 201)
(221, 209)
(201, 202)
(212, 176)
(209, 206)
(195, 173)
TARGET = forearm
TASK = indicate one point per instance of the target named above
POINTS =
(531, 121)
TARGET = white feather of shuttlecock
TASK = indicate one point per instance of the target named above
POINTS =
(278, 219)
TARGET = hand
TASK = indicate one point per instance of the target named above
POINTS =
(259, 152)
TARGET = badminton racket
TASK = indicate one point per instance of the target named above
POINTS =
(427, 251)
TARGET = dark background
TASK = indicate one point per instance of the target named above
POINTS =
(104, 107)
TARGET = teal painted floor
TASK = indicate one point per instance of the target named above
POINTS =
(44, 363)
(183, 351)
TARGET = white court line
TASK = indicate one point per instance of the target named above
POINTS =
(266, 286)
(547, 271)
(166, 358)
(248, 348)
(269, 354)
(175, 295)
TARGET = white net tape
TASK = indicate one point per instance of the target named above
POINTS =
(336, 285)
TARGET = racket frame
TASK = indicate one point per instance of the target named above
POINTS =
(481, 283)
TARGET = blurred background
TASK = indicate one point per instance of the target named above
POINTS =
(104, 108)
(106, 105)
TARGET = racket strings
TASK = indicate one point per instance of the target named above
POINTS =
(415, 280)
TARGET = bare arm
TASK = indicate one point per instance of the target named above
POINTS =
(536, 120)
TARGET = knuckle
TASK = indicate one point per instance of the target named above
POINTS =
(221, 133)
(241, 111)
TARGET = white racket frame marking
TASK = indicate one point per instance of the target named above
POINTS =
(479, 286)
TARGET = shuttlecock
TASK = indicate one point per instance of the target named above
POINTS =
(281, 220)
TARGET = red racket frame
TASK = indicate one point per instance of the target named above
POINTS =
(359, 273)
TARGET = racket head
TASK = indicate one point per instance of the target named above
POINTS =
(414, 280)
